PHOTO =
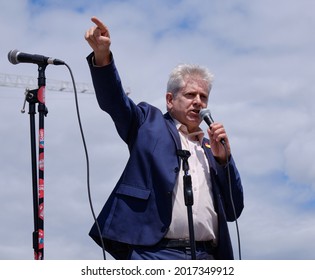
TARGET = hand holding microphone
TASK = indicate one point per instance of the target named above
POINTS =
(218, 138)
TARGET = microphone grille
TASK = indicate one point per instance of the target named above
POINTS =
(12, 56)
(204, 112)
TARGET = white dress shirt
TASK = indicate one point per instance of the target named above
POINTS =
(204, 216)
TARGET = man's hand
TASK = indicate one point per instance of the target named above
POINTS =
(216, 134)
(99, 40)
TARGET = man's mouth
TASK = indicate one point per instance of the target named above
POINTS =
(196, 111)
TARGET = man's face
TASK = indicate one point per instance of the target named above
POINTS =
(188, 102)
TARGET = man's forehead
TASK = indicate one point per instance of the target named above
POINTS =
(195, 83)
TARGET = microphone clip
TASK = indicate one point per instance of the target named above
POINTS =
(184, 155)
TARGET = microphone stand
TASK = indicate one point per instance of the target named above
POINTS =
(33, 97)
(189, 199)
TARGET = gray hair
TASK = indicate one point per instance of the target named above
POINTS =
(179, 74)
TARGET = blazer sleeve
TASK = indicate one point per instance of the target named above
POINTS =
(228, 185)
(111, 98)
(231, 190)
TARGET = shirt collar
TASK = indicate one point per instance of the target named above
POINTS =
(195, 136)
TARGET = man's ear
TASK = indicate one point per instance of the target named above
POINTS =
(169, 100)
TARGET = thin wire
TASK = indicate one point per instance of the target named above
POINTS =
(87, 162)
(232, 202)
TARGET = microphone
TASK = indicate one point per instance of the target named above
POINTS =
(15, 57)
(206, 116)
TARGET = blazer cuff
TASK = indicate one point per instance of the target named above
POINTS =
(91, 60)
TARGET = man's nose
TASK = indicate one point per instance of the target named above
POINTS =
(197, 99)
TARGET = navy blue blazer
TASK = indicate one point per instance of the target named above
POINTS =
(139, 209)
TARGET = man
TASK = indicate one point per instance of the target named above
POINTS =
(145, 216)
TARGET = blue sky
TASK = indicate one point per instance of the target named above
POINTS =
(262, 57)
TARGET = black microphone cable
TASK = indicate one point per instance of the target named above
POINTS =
(87, 161)
(232, 202)
(206, 116)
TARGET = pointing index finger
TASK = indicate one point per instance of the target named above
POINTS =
(99, 24)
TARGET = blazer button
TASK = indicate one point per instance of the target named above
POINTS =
(176, 170)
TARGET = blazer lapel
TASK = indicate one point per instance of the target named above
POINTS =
(207, 148)
(173, 130)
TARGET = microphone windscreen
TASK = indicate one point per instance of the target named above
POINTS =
(204, 112)
(12, 56)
